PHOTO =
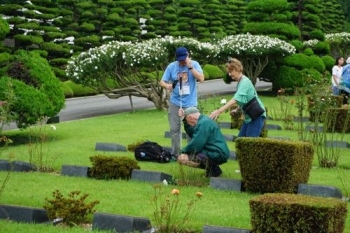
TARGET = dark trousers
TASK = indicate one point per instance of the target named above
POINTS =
(211, 167)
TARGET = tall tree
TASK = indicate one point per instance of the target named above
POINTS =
(191, 20)
(213, 15)
(346, 8)
(332, 17)
(306, 15)
(233, 16)
(271, 17)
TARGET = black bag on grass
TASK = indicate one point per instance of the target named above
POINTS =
(153, 152)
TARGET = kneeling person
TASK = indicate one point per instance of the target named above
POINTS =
(207, 148)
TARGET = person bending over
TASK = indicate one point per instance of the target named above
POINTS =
(207, 148)
(245, 92)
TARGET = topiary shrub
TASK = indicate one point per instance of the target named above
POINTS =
(80, 90)
(273, 165)
(328, 61)
(308, 52)
(72, 209)
(214, 72)
(283, 212)
(317, 34)
(30, 104)
(322, 48)
(68, 92)
(111, 167)
(301, 61)
(31, 75)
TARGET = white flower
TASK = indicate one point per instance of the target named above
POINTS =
(53, 127)
(223, 101)
(165, 182)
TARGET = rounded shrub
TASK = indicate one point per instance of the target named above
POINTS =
(322, 48)
(286, 77)
(29, 105)
(112, 167)
(317, 34)
(297, 44)
(328, 61)
(35, 86)
(214, 72)
(302, 61)
(68, 92)
(80, 90)
(308, 52)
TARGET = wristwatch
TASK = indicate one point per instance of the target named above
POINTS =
(190, 68)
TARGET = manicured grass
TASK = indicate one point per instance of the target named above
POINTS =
(72, 143)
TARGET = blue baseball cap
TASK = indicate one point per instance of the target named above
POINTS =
(181, 53)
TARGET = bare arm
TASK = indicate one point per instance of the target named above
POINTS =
(216, 113)
(196, 74)
(335, 80)
(165, 85)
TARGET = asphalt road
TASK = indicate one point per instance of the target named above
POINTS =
(84, 107)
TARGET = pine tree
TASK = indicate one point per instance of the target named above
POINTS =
(332, 17)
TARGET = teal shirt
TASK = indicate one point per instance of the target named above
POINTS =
(245, 92)
(206, 138)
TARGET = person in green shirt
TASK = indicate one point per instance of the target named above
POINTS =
(245, 92)
(207, 148)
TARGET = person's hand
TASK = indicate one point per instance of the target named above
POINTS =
(169, 86)
(213, 115)
(181, 112)
(235, 111)
(188, 62)
(182, 158)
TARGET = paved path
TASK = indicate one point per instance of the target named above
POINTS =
(84, 107)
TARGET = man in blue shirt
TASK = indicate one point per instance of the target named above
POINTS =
(186, 72)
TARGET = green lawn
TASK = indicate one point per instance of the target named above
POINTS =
(72, 143)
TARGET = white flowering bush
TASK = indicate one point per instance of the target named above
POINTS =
(339, 43)
(136, 67)
(310, 43)
(147, 54)
(342, 36)
(247, 45)
(253, 50)
(97, 64)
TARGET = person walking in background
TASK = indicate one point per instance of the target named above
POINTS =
(245, 94)
(186, 72)
(337, 71)
(207, 148)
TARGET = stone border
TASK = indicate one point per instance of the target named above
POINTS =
(23, 214)
(71, 170)
(120, 223)
(16, 166)
(102, 146)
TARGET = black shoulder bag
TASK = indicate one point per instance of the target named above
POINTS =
(253, 108)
